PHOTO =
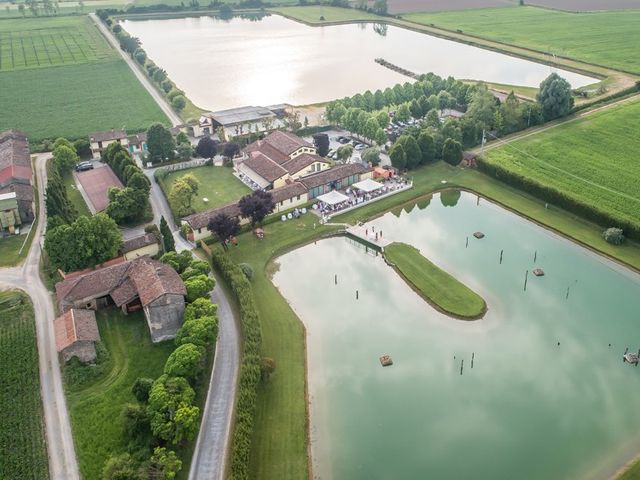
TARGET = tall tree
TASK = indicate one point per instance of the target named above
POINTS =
(555, 97)
(160, 143)
(168, 243)
(64, 159)
(56, 200)
(207, 147)
(256, 206)
(413, 155)
(427, 147)
(321, 142)
(224, 227)
(452, 152)
(482, 107)
(398, 157)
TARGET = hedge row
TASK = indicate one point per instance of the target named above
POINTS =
(250, 363)
(559, 198)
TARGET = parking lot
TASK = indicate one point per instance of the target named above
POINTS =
(334, 144)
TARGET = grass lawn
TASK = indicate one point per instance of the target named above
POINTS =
(279, 447)
(216, 183)
(22, 443)
(604, 38)
(95, 404)
(75, 197)
(312, 13)
(633, 473)
(10, 246)
(45, 42)
(75, 100)
(592, 159)
(434, 284)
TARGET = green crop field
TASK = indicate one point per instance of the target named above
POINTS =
(43, 42)
(73, 101)
(23, 454)
(59, 77)
(593, 160)
(96, 395)
(605, 38)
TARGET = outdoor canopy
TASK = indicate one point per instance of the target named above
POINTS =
(333, 198)
(367, 185)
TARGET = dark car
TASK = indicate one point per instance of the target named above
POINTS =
(82, 166)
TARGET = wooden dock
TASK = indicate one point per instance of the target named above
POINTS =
(366, 235)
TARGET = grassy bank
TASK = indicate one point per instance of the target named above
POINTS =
(279, 448)
(603, 38)
(75, 197)
(10, 246)
(217, 184)
(321, 14)
(98, 394)
(433, 284)
(22, 443)
(592, 160)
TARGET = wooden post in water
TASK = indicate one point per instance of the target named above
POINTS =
(472, 357)
(501, 252)
(467, 245)
(335, 279)
(526, 277)
(357, 295)
(461, 366)
(535, 256)
(566, 297)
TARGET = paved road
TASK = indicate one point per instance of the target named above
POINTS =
(62, 458)
(213, 443)
(162, 103)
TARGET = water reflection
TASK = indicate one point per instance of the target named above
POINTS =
(528, 408)
(224, 64)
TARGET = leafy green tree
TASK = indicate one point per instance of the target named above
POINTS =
(135, 423)
(182, 193)
(122, 467)
(57, 201)
(372, 156)
(321, 142)
(398, 156)
(383, 119)
(482, 107)
(511, 114)
(164, 464)
(452, 152)
(167, 397)
(65, 158)
(168, 243)
(141, 388)
(160, 143)
(185, 361)
(201, 331)
(63, 142)
(202, 307)
(139, 181)
(179, 102)
(125, 204)
(555, 97)
(178, 261)
(140, 56)
(199, 287)
(613, 235)
(427, 147)
(403, 113)
(87, 242)
(184, 151)
(186, 423)
(432, 119)
(413, 155)
(344, 152)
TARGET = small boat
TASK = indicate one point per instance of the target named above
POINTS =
(385, 360)
(478, 235)
(538, 272)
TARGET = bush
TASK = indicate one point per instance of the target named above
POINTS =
(251, 366)
(178, 102)
(141, 388)
(247, 270)
(201, 332)
(614, 236)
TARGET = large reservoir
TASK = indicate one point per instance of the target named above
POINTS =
(230, 63)
(546, 395)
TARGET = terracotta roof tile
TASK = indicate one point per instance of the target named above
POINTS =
(301, 162)
(285, 142)
(108, 136)
(75, 325)
(138, 242)
(264, 166)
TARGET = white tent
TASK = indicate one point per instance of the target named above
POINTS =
(367, 185)
(332, 198)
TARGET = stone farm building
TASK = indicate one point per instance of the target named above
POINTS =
(147, 244)
(141, 284)
(101, 140)
(276, 160)
(16, 181)
(294, 194)
(76, 334)
(240, 121)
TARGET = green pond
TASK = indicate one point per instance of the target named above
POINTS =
(547, 397)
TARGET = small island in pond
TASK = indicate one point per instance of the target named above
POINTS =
(436, 286)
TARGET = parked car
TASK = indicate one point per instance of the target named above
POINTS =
(360, 146)
(82, 166)
(343, 140)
